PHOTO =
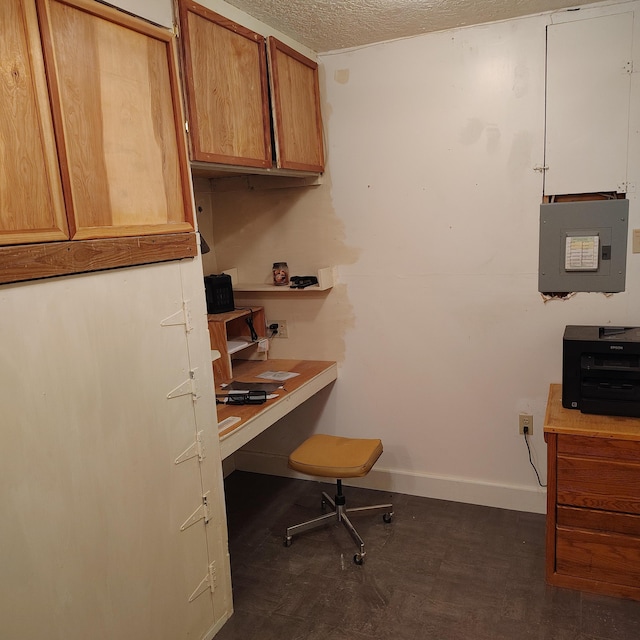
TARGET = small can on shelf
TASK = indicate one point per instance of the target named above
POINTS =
(280, 274)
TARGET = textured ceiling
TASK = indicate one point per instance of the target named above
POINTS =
(326, 25)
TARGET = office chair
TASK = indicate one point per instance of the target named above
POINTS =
(336, 457)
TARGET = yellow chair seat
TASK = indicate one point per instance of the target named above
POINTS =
(335, 457)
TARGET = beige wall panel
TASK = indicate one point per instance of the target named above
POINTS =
(92, 500)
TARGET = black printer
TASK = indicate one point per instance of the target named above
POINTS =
(601, 370)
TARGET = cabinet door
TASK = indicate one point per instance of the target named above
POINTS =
(94, 528)
(116, 100)
(31, 201)
(587, 121)
(225, 70)
(296, 109)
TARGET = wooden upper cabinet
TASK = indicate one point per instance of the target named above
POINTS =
(231, 115)
(116, 105)
(31, 200)
(295, 96)
(225, 76)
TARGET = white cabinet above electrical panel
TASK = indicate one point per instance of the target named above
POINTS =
(589, 66)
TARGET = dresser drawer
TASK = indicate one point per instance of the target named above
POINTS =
(598, 483)
(604, 557)
(595, 520)
(607, 448)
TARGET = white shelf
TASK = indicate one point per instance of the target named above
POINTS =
(254, 286)
(238, 344)
(326, 280)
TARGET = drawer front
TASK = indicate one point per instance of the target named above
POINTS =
(602, 521)
(607, 448)
(598, 484)
(606, 557)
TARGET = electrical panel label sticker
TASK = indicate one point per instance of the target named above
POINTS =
(581, 253)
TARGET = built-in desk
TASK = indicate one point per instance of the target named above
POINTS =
(254, 419)
(593, 500)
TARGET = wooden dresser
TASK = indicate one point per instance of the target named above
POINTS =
(593, 500)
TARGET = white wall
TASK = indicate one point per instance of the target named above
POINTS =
(429, 208)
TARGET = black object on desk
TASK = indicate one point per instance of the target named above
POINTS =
(219, 293)
(250, 397)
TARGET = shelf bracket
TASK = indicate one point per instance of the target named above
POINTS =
(207, 583)
(201, 513)
(180, 317)
(195, 449)
(189, 386)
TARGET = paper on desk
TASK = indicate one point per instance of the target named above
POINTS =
(228, 422)
(278, 375)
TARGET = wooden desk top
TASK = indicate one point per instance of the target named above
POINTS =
(314, 375)
(574, 422)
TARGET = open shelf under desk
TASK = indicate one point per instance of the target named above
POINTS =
(313, 376)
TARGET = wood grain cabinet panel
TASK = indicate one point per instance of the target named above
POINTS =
(603, 557)
(225, 71)
(31, 197)
(117, 107)
(297, 120)
(597, 520)
(599, 484)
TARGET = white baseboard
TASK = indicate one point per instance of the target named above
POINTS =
(514, 497)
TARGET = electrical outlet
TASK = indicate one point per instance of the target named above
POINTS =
(525, 420)
(283, 330)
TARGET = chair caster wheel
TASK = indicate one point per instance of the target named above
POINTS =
(287, 541)
(358, 559)
(387, 517)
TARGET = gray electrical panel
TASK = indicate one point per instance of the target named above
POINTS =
(583, 246)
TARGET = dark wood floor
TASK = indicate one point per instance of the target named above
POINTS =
(441, 570)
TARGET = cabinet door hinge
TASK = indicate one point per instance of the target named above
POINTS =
(189, 386)
(626, 187)
(540, 168)
(196, 449)
(176, 29)
(186, 126)
(180, 317)
(628, 66)
(203, 512)
(208, 582)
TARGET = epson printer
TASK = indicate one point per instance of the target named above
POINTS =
(601, 370)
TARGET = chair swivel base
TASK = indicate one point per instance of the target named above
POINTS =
(339, 513)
